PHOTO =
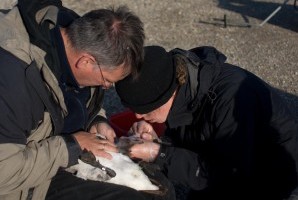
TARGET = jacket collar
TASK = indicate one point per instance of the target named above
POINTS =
(64, 73)
(180, 114)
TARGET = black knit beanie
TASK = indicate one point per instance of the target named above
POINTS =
(155, 84)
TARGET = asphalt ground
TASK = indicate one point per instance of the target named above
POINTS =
(233, 27)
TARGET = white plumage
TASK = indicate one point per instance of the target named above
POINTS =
(128, 173)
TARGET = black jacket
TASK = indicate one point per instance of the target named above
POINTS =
(235, 139)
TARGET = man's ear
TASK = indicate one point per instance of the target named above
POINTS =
(85, 60)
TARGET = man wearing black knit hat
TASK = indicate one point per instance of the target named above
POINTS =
(231, 135)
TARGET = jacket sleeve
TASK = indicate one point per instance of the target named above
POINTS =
(27, 162)
(27, 155)
(25, 166)
(183, 166)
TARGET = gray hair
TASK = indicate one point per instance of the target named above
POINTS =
(112, 36)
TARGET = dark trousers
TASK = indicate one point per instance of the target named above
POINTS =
(66, 186)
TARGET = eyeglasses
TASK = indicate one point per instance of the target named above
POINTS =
(106, 84)
(103, 78)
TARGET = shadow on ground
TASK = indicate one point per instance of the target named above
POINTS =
(287, 17)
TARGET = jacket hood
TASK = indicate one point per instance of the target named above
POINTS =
(210, 62)
(209, 55)
(12, 36)
(38, 19)
(15, 39)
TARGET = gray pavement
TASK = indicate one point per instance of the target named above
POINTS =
(270, 51)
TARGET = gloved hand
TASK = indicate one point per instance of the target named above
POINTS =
(146, 151)
(125, 143)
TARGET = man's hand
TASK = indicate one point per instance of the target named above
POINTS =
(91, 142)
(104, 129)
